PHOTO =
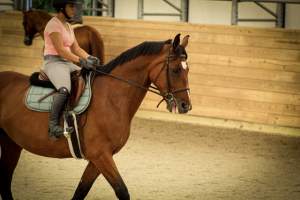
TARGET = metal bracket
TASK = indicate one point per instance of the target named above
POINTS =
(182, 12)
(279, 16)
(108, 7)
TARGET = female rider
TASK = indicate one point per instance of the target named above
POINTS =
(61, 51)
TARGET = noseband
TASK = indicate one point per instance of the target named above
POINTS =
(167, 96)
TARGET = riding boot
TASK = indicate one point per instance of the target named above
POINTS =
(59, 101)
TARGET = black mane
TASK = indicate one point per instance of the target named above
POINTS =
(145, 48)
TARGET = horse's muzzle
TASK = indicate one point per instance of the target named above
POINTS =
(27, 41)
(180, 105)
(183, 106)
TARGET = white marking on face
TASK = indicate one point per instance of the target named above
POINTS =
(184, 64)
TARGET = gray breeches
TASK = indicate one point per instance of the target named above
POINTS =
(58, 71)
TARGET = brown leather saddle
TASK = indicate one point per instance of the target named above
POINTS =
(77, 84)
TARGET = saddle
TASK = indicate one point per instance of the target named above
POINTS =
(78, 84)
(38, 98)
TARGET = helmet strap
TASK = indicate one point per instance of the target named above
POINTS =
(65, 13)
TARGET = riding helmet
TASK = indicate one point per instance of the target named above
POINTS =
(60, 4)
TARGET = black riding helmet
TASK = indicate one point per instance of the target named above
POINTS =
(60, 5)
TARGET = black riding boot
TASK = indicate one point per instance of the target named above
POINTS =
(59, 101)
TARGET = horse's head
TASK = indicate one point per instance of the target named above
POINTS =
(34, 21)
(170, 75)
(29, 27)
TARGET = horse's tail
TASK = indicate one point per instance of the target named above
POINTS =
(97, 45)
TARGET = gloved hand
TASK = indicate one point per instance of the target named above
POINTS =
(87, 64)
(94, 60)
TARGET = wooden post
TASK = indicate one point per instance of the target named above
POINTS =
(140, 9)
(234, 12)
(184, 10)
(111, 8)
(280, 19)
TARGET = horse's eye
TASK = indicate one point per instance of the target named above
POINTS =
(177, 70)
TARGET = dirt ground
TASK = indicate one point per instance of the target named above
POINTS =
(165, 160)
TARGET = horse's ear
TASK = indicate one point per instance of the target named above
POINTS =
(185, 41)
(176, 41)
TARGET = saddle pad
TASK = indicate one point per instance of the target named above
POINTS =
(35, 93)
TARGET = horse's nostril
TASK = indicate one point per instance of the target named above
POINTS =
(184, 105)
(27, 42)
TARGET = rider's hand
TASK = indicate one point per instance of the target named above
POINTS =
(94, 60)
(86, 64)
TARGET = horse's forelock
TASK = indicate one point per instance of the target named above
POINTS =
(180, 50)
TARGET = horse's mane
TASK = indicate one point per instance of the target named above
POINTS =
(143, 49)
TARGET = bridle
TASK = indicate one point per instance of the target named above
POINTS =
(167, 96)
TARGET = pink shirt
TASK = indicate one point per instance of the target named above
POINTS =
(55, 25)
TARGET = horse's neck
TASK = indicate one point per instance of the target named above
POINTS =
(41, 24)
(124, 98)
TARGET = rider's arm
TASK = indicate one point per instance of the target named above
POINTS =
(57, 41)
(76, 49)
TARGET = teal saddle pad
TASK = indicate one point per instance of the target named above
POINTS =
(35, 93)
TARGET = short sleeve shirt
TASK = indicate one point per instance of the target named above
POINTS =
(55, 25)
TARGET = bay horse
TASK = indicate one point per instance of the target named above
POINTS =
(89, 39)
(116, 98)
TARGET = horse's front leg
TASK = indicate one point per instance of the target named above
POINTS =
(108, 168)
(89, 176)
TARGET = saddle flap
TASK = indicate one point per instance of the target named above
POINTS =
(78, 85)
(36, 93)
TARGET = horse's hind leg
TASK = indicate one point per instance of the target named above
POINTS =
(88, 178)
(10, 154)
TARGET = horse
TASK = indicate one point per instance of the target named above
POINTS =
(89, 39)
(159, 66)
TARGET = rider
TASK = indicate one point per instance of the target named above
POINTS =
(60, 52)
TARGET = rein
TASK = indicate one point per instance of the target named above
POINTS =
(167, 96)
(152, 89)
